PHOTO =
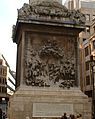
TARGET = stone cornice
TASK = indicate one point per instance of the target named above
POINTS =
(65, 24)
(48, 13)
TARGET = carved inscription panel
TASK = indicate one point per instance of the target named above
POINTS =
(50, 61)
(51, 110)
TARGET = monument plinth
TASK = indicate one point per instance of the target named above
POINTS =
(47, 73)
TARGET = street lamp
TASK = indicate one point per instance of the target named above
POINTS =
(92, 63)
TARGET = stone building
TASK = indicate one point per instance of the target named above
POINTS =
(72, 4)
(87, 8)
(7, 83)
(92, 64)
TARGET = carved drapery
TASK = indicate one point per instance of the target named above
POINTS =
(49, 65)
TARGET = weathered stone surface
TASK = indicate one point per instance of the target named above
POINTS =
(46, 35)
(50, 10)
(50, 63)
(33, 1)
(37, 102)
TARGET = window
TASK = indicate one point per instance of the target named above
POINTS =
(0, 71)
(4, 80)
(1, 61)
(4, 71)
(3, 90)
(87, 80)
(87, 65)
(86, 51)
(0, 80)
(87, 17)
(94, 44)
(0, 89)
(90, 48)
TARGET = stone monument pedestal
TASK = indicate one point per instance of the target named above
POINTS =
(47, 72)
(31, 102)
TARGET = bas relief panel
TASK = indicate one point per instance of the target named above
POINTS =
(50, 61)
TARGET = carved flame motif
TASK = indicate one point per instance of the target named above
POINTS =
(42, 70)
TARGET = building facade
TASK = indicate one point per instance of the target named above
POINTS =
(85, 43)
(89, 10)
(7, 83)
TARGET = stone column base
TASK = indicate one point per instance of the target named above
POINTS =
(31, 102)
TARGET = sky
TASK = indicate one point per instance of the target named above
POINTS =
(8, 18)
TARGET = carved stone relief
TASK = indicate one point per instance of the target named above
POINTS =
(51, 11)
(49, 66)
